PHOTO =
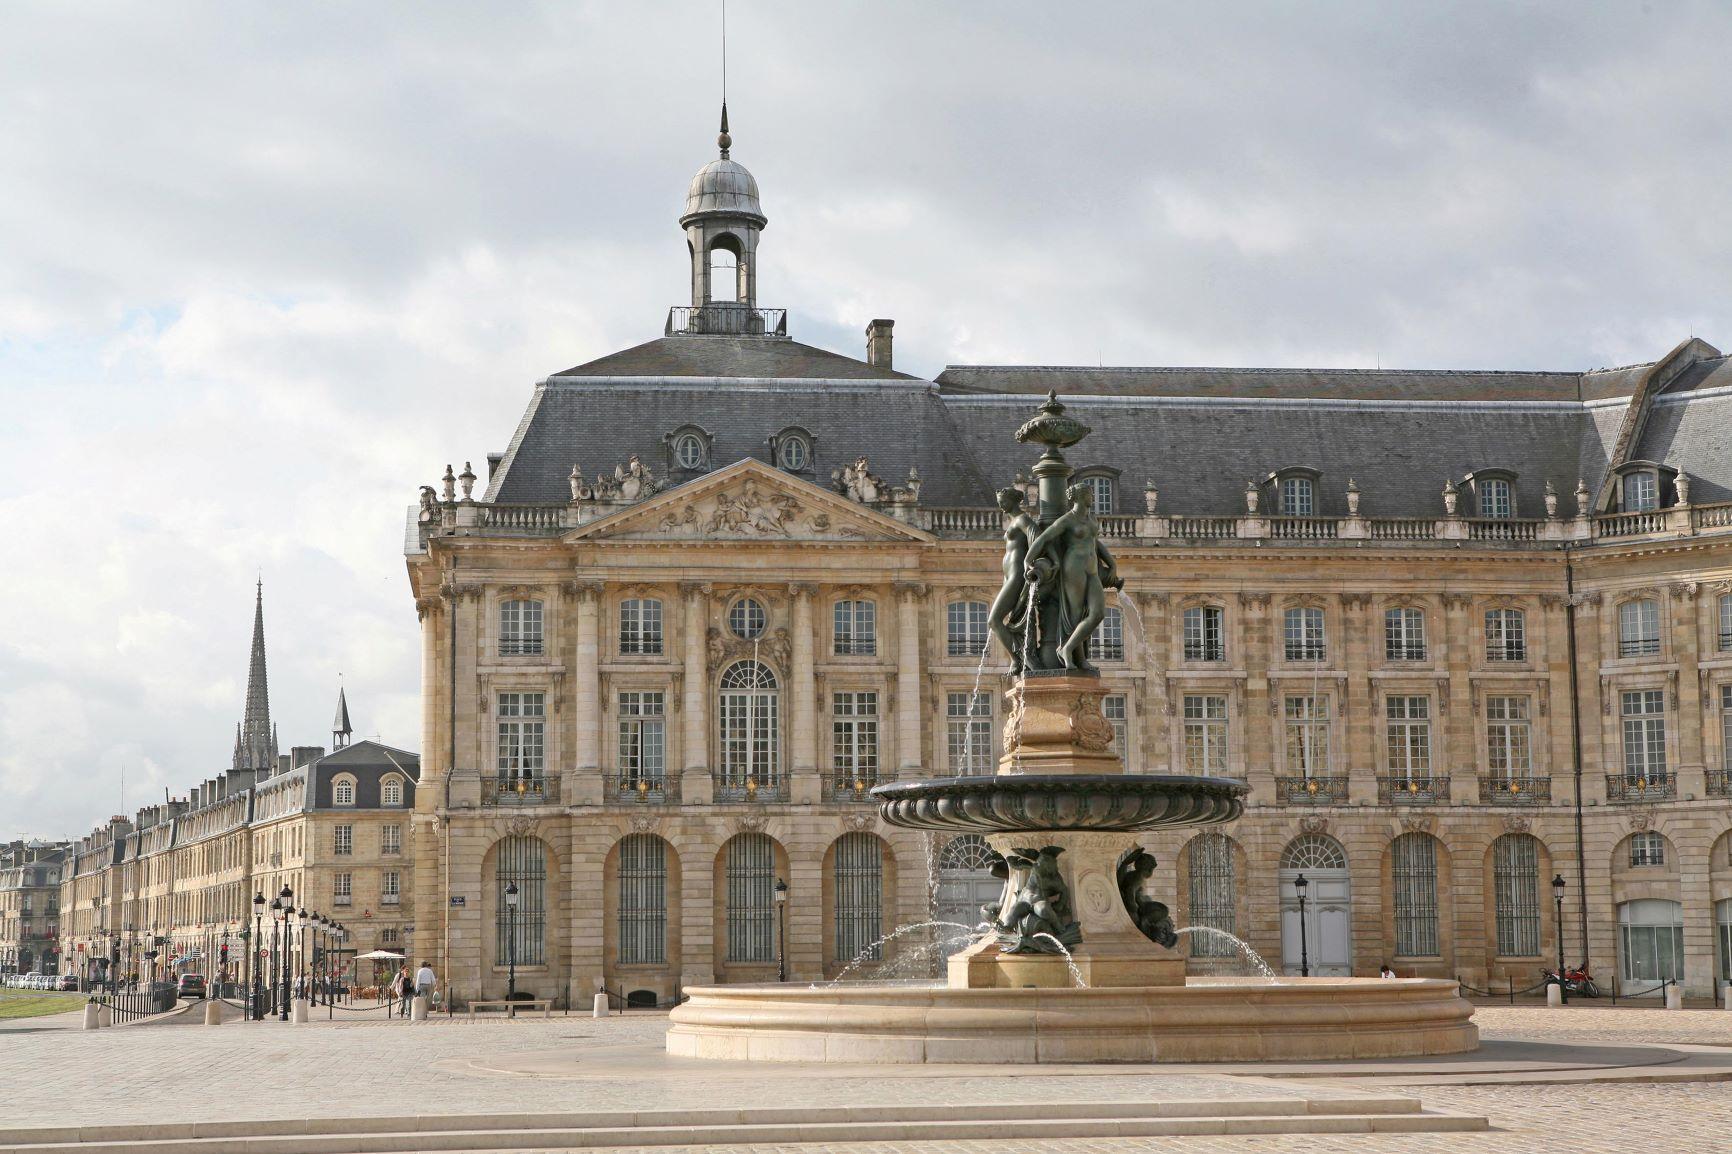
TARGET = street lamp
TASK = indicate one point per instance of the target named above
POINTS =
(253, 948)
(511, 941)
(1300, 883)
(1558, 897)
(781, 930)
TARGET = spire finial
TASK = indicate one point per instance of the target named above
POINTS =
(723, 140)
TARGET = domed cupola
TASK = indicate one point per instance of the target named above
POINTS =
(722, 220)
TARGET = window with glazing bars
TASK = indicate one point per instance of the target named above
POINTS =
(854, 736)
(522, 860)
(1726, 733)
(1516, 884)
(1307, 720)
(1506, 635)
(521, 722)
(1101, 488)
(391, 886)
(343, 840)
(1213, 894)
(1404, 635)
(640, 627)
(751, 898)
(1303, 630)
(343, 886)
(1507, 749)
(643, 901)
(1205, 640)
(1494, 498)
(519, 628)
(1108, 642)
(1205, 734)
(859, 910)
(1641, 492)
(391, 839)
(965, 628)
(1409, 736)
(1113, 709)
(856, 631)
(1639, 628)
(1413, 868)
(1644, 716)
(968, 726)
(642, 737)
(750, 726)
(391, 792)
(1647, 848)
(1296, 497)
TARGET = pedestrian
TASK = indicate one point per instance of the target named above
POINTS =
(401, 987)
(1387, 971)
(425, 982)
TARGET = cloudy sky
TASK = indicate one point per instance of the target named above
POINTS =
(264, 269)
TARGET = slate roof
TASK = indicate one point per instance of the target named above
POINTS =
(1197, 433)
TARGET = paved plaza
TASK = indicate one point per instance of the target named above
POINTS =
(1587, 1078)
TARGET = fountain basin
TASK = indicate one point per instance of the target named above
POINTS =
(1007, 803)
(1204, 1020)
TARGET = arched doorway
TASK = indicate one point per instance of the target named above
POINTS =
(965, 882)
(1328, 944)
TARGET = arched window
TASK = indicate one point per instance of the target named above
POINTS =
(1650, 942)
(1108, 642)
(724, 272)
(1297, 497)
(643, 900)
(519, 628)
(750, 715)
(1647, 848)
(747, 618)
(859, 873)
(1639, 628)
(640, 627)
(1314, 851)
(1515, 872)
(1413, 872)
(967, 851)
(1302, 630)
(391, 790)
(1494, 498)
(965, 628)
(856, 629)
(343, 791)
(523, 861)
(751, 898)
(1213, 894)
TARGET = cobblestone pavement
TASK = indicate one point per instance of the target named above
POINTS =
(53, 1075)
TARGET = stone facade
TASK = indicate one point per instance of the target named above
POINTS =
(30, 906)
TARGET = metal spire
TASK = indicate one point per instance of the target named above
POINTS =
(340, 727)
(256, 745)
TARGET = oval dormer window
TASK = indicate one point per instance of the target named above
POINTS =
(793, 454)
(689, 451)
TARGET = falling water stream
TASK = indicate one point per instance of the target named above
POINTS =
(865, 955)
(1076, 976)
(1245, 951)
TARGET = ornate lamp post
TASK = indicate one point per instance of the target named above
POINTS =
(1300, 883)
(781, 930)
(285, 903)
(253, 949)
(303, 978)
(1558, 897)
(511, 942)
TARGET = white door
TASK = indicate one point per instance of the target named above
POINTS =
(964, 885)
(1328, 932)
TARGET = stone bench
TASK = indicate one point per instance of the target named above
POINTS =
(545, 1005)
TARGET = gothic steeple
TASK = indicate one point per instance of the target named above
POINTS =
(256, 743)
(340, 727)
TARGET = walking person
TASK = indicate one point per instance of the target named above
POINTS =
(402, 986)
(425, 982)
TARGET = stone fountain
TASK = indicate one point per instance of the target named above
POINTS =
(1076, 961)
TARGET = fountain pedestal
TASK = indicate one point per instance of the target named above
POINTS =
(1053, 725)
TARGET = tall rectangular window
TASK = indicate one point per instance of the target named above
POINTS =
(1506, 635)
(968, 727)
(1645, 734)
(1307, 724)
(1205, 640)
(519, 628)
(1404, 635)
(391, 839)
(342, 888)
(1108, 641)
(1725, 607)
(1296, 497)
(854, 736)
(751, 908)
(391, 888)
(522, 734)
(1639, 628)
(856, 632)
(1101, 488)
(640, 627)
(1303, 631)
(1113, 709)
(1413, 866)
(1641, 492)
(1516, 884)
(1494, 498)
(642, 737)
(965, 628)
(643, 903)
(1647, 848)
(343, 840)
(521, 935)
(1726, 727)
(1409, 736)
(1507, 747)
(859, 905)
(1205, 734)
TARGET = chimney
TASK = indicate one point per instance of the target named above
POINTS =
(493, 460)
(305, 754)
(878, 343)
(284, 763)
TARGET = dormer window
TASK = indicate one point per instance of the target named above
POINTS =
(1297, 499)
(791, 449)
(343, 791)
(1492, 493)
(688, 448)
(1641, 492)
(1103, 487)
(1641, 487)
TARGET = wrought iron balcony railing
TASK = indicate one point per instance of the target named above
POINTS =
(1315, 790)
(639, 789)
(519, 791)
(1636, 787)
(1719, 783)
(1414, 790)
(751, 790)
(727, 318)
(851, 787)
(1502, 789)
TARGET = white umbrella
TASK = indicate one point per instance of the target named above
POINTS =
(379, 956)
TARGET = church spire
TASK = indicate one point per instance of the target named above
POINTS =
(340, 727)
(256, 747)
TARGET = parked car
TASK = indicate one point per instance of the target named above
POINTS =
(68, 981)
(190, 986)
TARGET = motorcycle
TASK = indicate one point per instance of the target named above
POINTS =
(1577, 981)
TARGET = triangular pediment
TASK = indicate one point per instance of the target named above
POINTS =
(749, 501)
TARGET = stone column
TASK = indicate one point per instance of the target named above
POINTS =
(1684, 691)
(1359, 723)
(1254, 722)
(908, 695)
(1155, 700)
(695, 785)
(805, 789)
(585, 789)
